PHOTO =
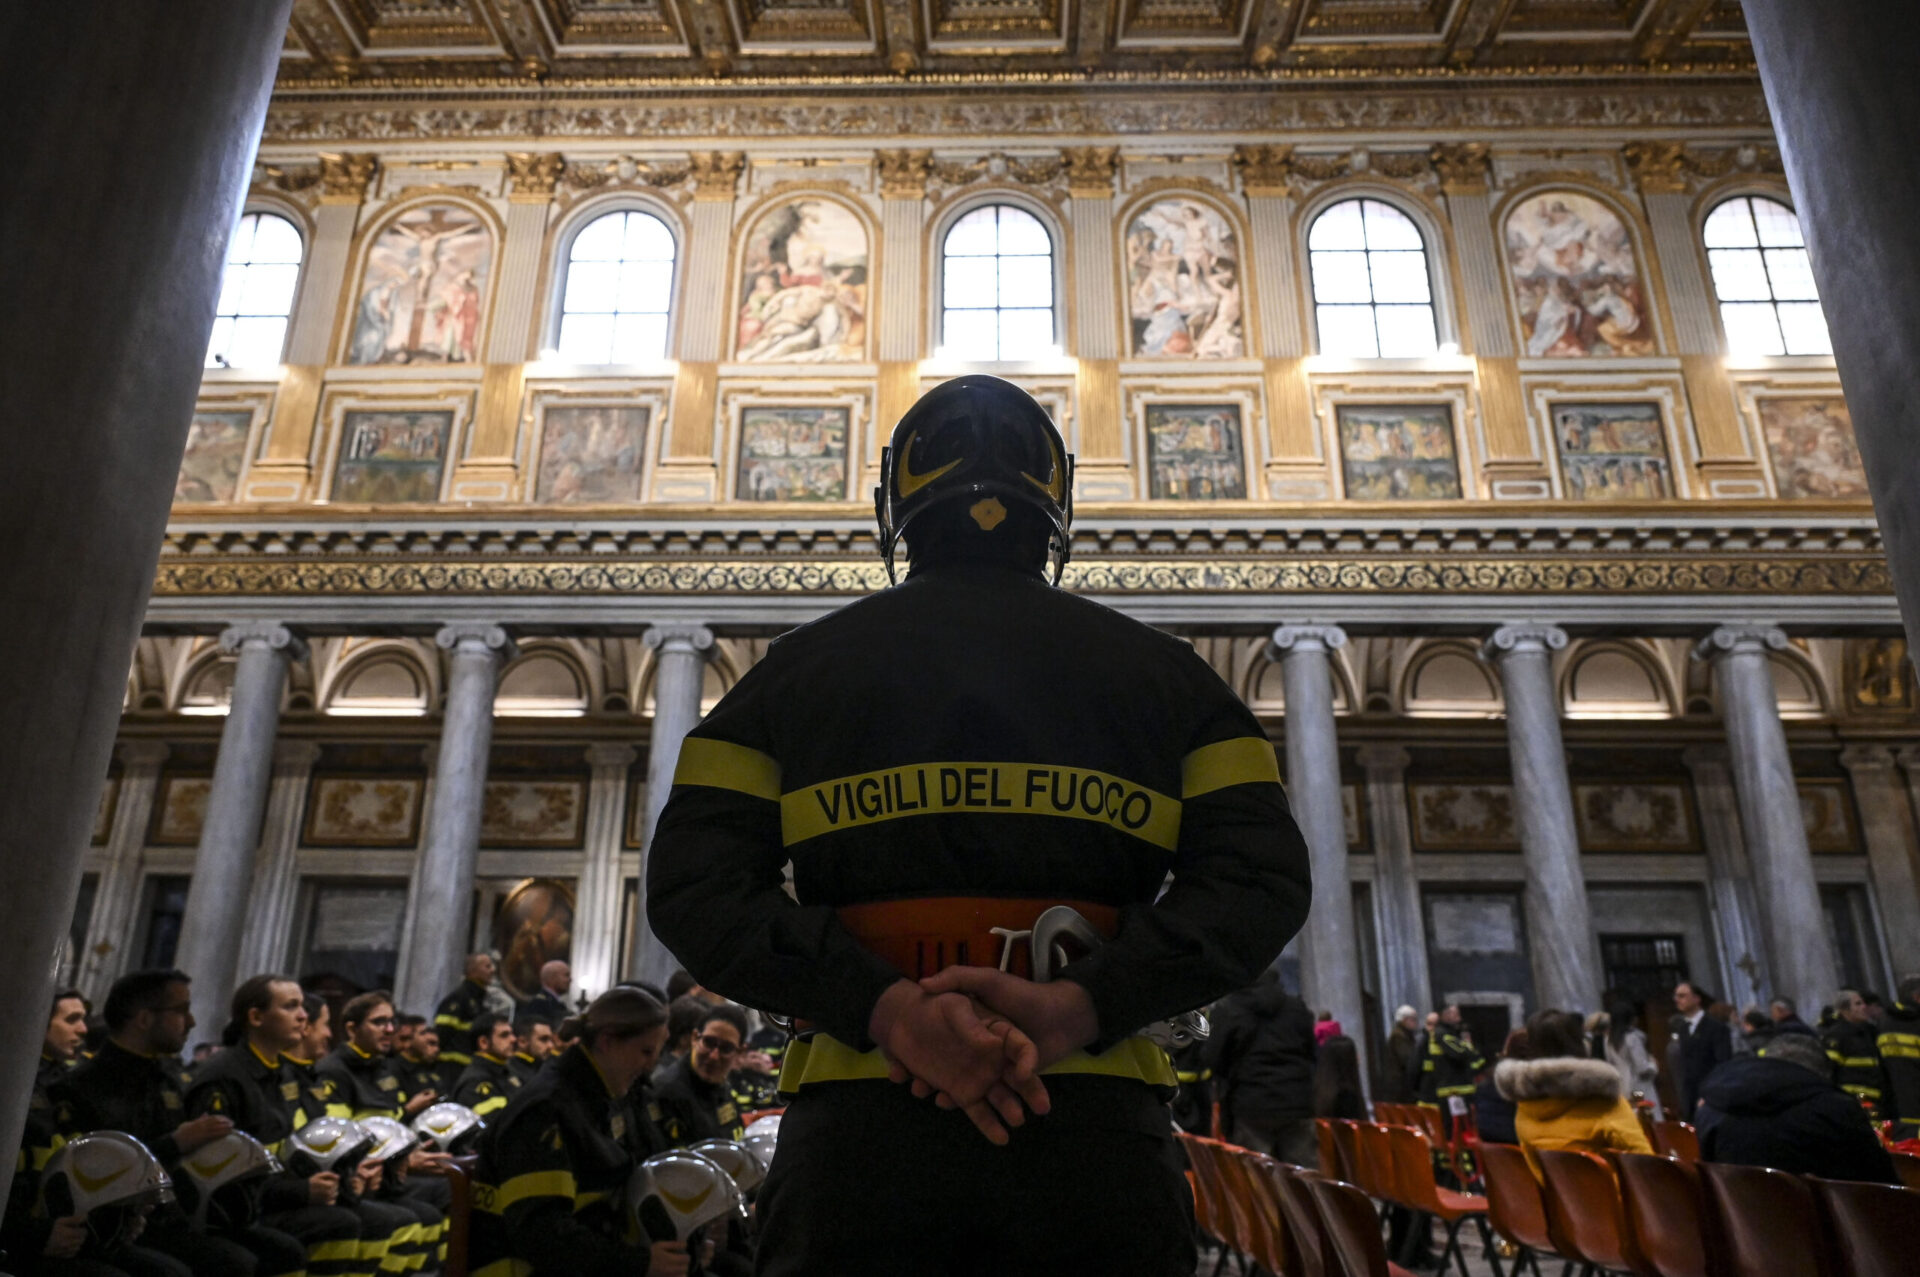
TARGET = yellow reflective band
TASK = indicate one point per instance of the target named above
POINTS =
(533, 1184)
(485, 1107)
(1245, 760)
(446, 1020)
(1004, 789)
(505, 1268)
(824, 1058)
(341, 1110)
(321, 1252)
(1904, 1046)
(720, 764)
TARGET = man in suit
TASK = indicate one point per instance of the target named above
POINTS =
(1705, 1044)
(550, 1004)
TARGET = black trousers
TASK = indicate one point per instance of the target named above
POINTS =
(868, 1180)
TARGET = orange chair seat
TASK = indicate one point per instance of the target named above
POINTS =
(1454, 1204)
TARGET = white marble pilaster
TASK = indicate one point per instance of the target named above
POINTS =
(117, 897)
(1397, 918)
(440, 903)
(1800, 955)
(1676, 242)
(1097, 315)
(217, 897)
(680, 671)
(516, 308)
(266, 938)
(596, 920)
(1888, 827)
(1730, 893)
(902, 223)
(703, 299)
(1565, 957)
(1276, 284)
(1330, 954)
(310, 334)
(1471, 213)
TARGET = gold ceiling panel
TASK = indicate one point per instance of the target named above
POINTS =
(417, 24)
(975, 22)
(611, 26)
(1188, 20)
(800, 26)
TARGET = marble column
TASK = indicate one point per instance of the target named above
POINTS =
(680, 671)
(596, 917)
(440, 904)
(1565, 953)
(109, 931)
(1800, 954)
(1844, 101)
(267, 937)
(1329, 954)
(140, 125)
(217, 896)
(1397, 917)
(1730, 895)
(1887, 824)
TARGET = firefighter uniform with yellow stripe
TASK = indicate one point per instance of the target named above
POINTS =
(1449, 1066)
(1855, 1054)
(1899, 1045)
(546, 1190)
(941, 762)
(487, 1084)
(360, 1084)
(269, 1100)
(25, 1230)
(453, 1020)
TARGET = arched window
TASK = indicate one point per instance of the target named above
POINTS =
(619, 285)
(1372, 295)
(996, 294)
(256, 293)
(1763, 282)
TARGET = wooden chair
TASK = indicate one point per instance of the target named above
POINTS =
(1254, 1235)
(1376, 1175)
(1329, 1148)
(1206, 1211)
(1584, 1200)
(1908, 1165)
(1410, 1159)
(1766, 1223)
(1515, 1208)
(1276, 1252)
(459, 1176)
(1348, 1218)
(1676, 1139)
(1348, 1167)
(1665, 1213)
(1312, 1245)
(1646, 1124)
(1877, 1226)
(1209, 1173)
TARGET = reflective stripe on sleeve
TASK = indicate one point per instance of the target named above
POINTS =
(526, 1187)
(1244, 760)
(719, 764)
(485, 1107)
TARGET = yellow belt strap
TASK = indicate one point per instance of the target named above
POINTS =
(824, 1058)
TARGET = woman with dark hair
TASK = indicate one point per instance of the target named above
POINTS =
(1566, 1100)
(1336, 1080)
(693, 1092)
(1626, 1050)
(554, 1163)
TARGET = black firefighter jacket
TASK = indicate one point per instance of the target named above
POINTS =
(976, 732)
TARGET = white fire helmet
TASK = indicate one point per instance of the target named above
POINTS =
(392, 1138)
(224, 1179)
(761, 1139)
(110, 1178)
(327, 1144)
(674, 1195)
(736, 1159)
(449, 1127)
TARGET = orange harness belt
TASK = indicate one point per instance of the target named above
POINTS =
(921, 937)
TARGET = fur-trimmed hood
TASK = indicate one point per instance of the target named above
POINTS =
(1558, 1078)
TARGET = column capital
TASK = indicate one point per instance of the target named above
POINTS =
(716, 175)
(532, 177)
(1090, 171)
(478, 638)
(295, 755)
(268, 634)
(903, 174)
(1755, 637)
(1867, 758)
(1266, 170)
(679, 638)
(1383, 758)
(1464, 167)
(142, 753)
(611, 756)
(345, 177)
(1325, 639)
(1524, 638)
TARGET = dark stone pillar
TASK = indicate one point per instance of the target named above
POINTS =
(1842, 79)
(134, 127)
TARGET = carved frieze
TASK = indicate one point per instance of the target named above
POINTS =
(624, 171)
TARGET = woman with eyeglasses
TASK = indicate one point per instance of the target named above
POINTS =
(692, 1092)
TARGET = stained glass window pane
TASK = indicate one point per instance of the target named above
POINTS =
(618, 290)
(997, 291)
(1348, 331)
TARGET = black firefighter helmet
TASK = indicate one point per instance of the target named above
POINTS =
(975, 437)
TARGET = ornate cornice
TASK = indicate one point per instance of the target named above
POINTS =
(881, 111)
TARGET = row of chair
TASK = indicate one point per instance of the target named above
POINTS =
(1396, 1165)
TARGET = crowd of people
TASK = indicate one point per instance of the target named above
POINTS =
(559, 1098)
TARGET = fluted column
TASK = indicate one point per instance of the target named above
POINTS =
(596, 916)
(103, 958)
(1329, 956)
(680, 670)
(1887, 823)
(217, 898)
(1800, 955)
(1404, 977)
(268, 933)
(440, 905)
(1566, 962)
(1730, 894)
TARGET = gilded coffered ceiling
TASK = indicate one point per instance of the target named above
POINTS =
(356, 45)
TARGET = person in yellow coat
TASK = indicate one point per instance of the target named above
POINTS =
(1566, 1099)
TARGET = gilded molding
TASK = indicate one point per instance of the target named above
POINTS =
(345, 178)
(903, 174)
(716, 175)
(1658, 168)
(1091, 170)
(1265, 170)
(1463, 167)
(533, 177)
